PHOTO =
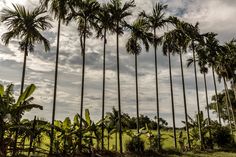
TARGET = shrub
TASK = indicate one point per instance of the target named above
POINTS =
(222, 137)
(135, 145)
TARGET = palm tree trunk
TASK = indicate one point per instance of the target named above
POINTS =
(230, 104)
(118, 84)
(103, 88)
(23, 71)
(172, 101)
(2, 133)
(185, 104)
(55, 87)
(21, 91)
(157, 97)
(197, 96)
(216, 94)
(108, 142)
(32, 136)
(82, 84)
(137, 102)
(208, 113)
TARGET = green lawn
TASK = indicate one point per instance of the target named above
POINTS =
(167, 144)
(168, 141)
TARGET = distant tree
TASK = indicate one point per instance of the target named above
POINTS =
(223, 109)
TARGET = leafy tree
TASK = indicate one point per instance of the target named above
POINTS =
(59, 8)
(25, 25)
(84, 12)
(156, 20)
(12, 110)
(119, 12)
(181, 42)
(222, 101)
(139, 33)
(170, 46)
(194, 37)
(105, 24)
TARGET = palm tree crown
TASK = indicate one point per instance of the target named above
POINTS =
(26, 25)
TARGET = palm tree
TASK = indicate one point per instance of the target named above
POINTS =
(139, 33)
(105, 24)
(85, 13)
(170, 46)
(202, 59)
(225, 68)
(119, 12)
(182, 43)
(193, 35)
(212, 48)
(25, 25)
(59, 8)
(156, 21)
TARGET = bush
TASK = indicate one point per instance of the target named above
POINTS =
(154, 143)
(222, 137)
(135, 145)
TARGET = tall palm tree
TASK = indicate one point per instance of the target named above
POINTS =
(139, 33)
(192, 33)
(212, 49)
(182, 43)
(156, 21)
(105, 24)
(225, 67)
(59, 8)
(170, 46)
(119, 12)
(25, 25)
(203, 54)
(84, 12)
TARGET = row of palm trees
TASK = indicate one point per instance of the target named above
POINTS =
(90, 16)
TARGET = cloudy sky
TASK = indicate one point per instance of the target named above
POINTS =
(214, 15)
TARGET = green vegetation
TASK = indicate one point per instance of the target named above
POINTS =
(116, 131)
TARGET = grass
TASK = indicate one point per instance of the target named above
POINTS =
(167, 142)
(167, 145)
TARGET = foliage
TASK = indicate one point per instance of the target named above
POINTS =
(222, 101)
(11, 112)
(222, 137)
(136, 144)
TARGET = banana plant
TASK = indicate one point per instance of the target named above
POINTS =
(11, 112)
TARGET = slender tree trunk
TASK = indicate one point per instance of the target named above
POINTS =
(185, 104)
(55, 87)
(118, 84)
(197, 96)
(21, 91)
(2, 144)
(108, 142)
(82, 85)
(136, 80)
(207, 103)
(172, 101)
(23, 71)
(157, 95)
(32, 136)
(216, 94)
(103, 88)
(229, 100)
